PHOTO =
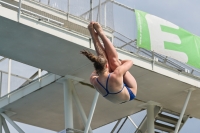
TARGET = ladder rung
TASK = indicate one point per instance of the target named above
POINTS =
(163, 127)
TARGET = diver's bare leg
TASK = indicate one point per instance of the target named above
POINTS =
(98, 47)
(109, 48)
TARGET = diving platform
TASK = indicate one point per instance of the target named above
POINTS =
(46, 38)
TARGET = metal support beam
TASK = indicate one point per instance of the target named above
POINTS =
(150, 118)
(122, 124)
(80, 108)
(116, 125)
(5, 126)
(183, 110)
(127, 44)
(68, 108)
(91, 111)
(132, 122)
(2, 59)
(12, 123)
(30, 79)
(9, 75)
(153, 109)
(16, 75)
(75, 130)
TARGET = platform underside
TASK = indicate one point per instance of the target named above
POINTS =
(44, 107)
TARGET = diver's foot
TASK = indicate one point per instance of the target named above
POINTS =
(90, 27)
(91, 30)
(98, 28)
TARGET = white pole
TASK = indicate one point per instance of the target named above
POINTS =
(68, 10)
(9, 75)
(12, 123)
(39, 73)
(99, 12)
(132, 122)
(150, 118)
(123, 5)
(19, 11)
(105, 15)
(80, 108)
(68, 111)
(5, 126)
(91, 13)
(91, 112)
(183, 111)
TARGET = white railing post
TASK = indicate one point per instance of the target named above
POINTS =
(19, 11)
(39, 73)
(91, 111)
(183, 110)
(105, 15)
(9, 75)
(80, 108)
(91, 13)
(99, 12)
(68, 9)
(68, 108)
(12, 123)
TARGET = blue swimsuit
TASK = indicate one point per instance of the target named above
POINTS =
(132, 96)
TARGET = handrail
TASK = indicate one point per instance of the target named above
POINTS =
(94, 8)
(13, 91)
(150, 54)
(48, 19)
(16, 75)
(129, 8)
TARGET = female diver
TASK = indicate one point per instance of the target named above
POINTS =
(111, 77)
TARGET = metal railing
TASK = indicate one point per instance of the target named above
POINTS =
(13, 79)
(24, 11)
(89, 13)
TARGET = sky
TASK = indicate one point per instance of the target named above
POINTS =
(184, 13)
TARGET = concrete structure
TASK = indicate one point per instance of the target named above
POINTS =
(49, 39)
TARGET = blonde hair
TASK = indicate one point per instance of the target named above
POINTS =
(99, 61)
